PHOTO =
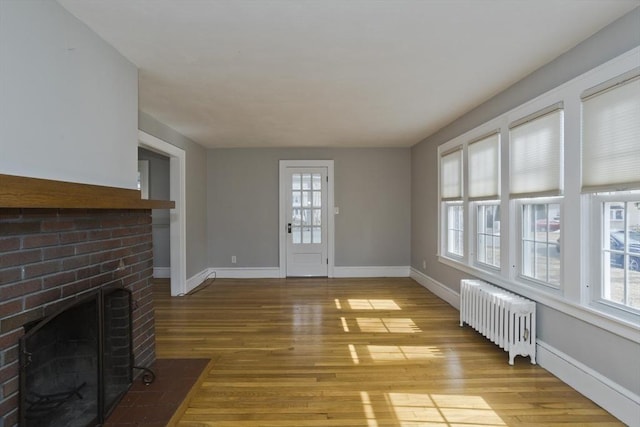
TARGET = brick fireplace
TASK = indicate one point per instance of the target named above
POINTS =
(50, 256)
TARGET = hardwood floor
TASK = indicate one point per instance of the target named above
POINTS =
(351, 352)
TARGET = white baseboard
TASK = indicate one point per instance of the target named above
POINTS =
(196, 280)
(162, 272)
(442, 291)
(246, 273)
(274, 272)
(620, 402)
(399, 271)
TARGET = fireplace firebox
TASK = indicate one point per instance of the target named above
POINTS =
(76, 364)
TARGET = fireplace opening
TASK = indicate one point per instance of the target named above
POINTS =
(76, 364)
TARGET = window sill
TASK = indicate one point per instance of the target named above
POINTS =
(551, 298)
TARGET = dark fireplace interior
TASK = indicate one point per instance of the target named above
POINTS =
(76, 364)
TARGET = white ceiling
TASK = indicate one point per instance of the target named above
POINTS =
(249, 73)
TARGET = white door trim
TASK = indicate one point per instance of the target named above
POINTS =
(282, 228)
(177, 193)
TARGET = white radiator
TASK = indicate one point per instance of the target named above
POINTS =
(506, 319)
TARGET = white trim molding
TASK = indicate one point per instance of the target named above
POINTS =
(274, 273)
(161, 272)
(178, 191)
(399, 271)
(437, 288)
(620, 402)
(195, 281)
(245, 273)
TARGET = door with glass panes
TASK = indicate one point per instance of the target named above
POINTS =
(306, 221)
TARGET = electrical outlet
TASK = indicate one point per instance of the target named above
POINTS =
(233, 259)
(424, 264)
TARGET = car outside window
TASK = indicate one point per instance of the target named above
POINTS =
(620, 256)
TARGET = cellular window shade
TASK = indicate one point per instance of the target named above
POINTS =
(611, 139)
(451, 175)
(535, 149)
(484, 168)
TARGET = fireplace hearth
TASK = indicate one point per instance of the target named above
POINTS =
(76, 364)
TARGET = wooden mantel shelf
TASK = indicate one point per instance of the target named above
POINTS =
(22, 192)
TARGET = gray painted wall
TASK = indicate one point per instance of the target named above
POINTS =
(582, 341)
(68, 100)
(372, 190)
(159, 190)
(196, 177)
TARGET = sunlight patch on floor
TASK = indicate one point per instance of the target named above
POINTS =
(373, 304)
(354, 354)
(385, 353)
(345, 326)
(443, 410)
(368, 409)
(392, 325)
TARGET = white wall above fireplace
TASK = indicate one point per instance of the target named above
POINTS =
(69, 101)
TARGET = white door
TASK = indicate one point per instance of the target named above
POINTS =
(306, 219)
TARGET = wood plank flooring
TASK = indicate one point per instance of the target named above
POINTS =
(351, 352)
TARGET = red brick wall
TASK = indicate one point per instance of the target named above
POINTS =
(50, 256)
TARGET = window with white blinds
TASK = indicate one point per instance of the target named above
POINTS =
(535, 149)
(451, 175)
(611, 137)
(571, 225)
(484, 168)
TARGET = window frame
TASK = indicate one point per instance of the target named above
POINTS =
(474, 207)
(521, 276)
(446, 205)
(595, 278)
(576, 277)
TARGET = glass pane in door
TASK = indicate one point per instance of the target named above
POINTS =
(306, 193)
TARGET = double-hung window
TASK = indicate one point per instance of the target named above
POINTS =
(544, 199)
(484, 189)
(610, 181)
(535, 182)
(451, 197)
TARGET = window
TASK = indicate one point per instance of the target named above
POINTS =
(568, 232)
(455, 228)
(484, 168)
(616, 212)
(536, 154)
(621, 254)
(611, 131)
(488, 234)
(610, 155)
(540, 248)
(536, 171)
(451, 175)
(451, 195)
(306, 202)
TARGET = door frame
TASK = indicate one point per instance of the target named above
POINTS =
(282, 228)
(177, 216)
